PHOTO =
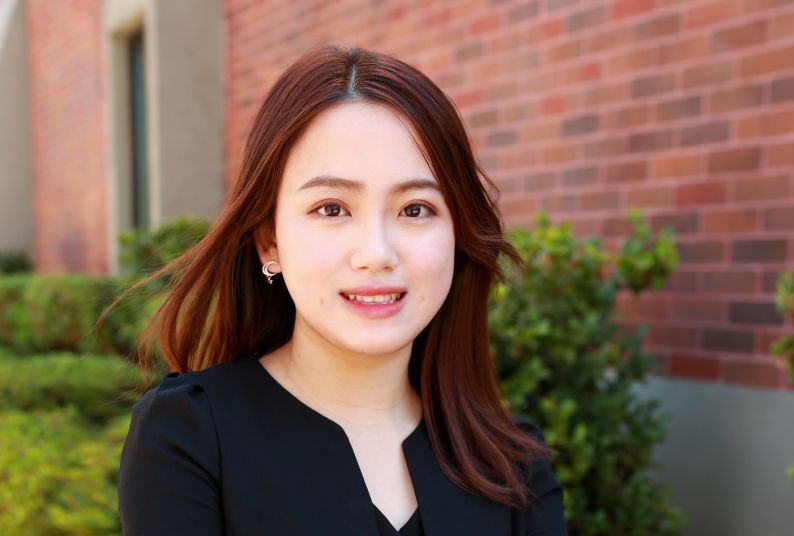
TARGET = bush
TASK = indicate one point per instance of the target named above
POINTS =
(98, 387)
(554, 342)
(143, 251)
(784, 347)
(57, 313)
(59, 474)
(14, 263)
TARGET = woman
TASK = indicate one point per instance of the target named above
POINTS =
(347, 387)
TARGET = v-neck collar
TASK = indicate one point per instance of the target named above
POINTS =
(444, 507)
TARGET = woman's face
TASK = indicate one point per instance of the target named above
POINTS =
(355, 226)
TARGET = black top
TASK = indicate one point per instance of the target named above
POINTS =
(228, 450)
(412, 527)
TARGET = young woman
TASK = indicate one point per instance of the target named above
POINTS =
(328, 337)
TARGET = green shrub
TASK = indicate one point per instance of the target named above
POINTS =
(561, 364)
(12, 288)
(58, 474)
(52, 313)
(98, 387)
(784, 347)
(143, 251)
(14, 262)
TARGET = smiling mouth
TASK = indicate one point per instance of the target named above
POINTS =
(387, 302)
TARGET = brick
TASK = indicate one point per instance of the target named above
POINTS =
(658, 27)
(734, 160)
(580, 176)
(553, 5)
(769, 281)
(661, 196)
(730, 221)
(679, 223)
(772, 124)
(671, 337)
(534, 133)
(605, 147)
(681, 282)
(762, 188)
(627, 8)
(560, 203)
(725, 340)
(760, 313)
(500, 139)
(554, 104)
(714, 132)
(750, 374)
(552, 28)
(677, 166)
(523, 12)
(631, 61)
(563, 51)
(606, 94)
(628, 171)
(680, 51)
(702, 193)
(587, 18)
(539, 181)
(771, 250)
(711, 13)
(486, 23)
(484, 118)
(559, 153)
(600, 201)
(580, 125)
(708, 74)
(779, 155)
(745, 35)
(699, 252)
(767, 62)
(651, 141)
(727, 281)
(627, 117)
(613, 37)
(700, 310)
(469, 51)
(779, 219)
(698, 368)
(736, 99)
(652, 85)
(616, 226)
(643, 308)
(782, 90)
(679, 108)
(782, 26)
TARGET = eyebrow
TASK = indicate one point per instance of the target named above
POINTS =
(329, 181)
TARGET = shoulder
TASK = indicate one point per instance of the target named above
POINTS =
(529, 427)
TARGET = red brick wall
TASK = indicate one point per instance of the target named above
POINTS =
(684, 109)
(67, 134)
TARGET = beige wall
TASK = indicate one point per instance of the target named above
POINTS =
(184, 100)
(16, 205)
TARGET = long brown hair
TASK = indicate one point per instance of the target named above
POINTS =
(219, 307)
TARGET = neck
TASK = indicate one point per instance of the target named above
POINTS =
(355, 390)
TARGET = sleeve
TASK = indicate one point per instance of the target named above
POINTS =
(545, 517)
(169, 472)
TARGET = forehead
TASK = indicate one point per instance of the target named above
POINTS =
(363, 142)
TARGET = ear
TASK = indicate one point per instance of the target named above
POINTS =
(265, 248)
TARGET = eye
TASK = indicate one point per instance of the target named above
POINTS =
(335, 207)
(415, 210)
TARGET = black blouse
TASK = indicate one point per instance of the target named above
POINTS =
(228, 450)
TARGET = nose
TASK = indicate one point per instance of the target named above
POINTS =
(374, 251)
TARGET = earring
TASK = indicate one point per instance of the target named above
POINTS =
(267, 272)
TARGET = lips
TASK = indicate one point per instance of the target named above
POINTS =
(372, 291)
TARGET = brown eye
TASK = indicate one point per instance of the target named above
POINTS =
(414, 209)
(332, 212)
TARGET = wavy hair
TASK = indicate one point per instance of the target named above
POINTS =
(219, 307)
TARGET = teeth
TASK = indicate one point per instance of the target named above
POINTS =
(384, 298)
